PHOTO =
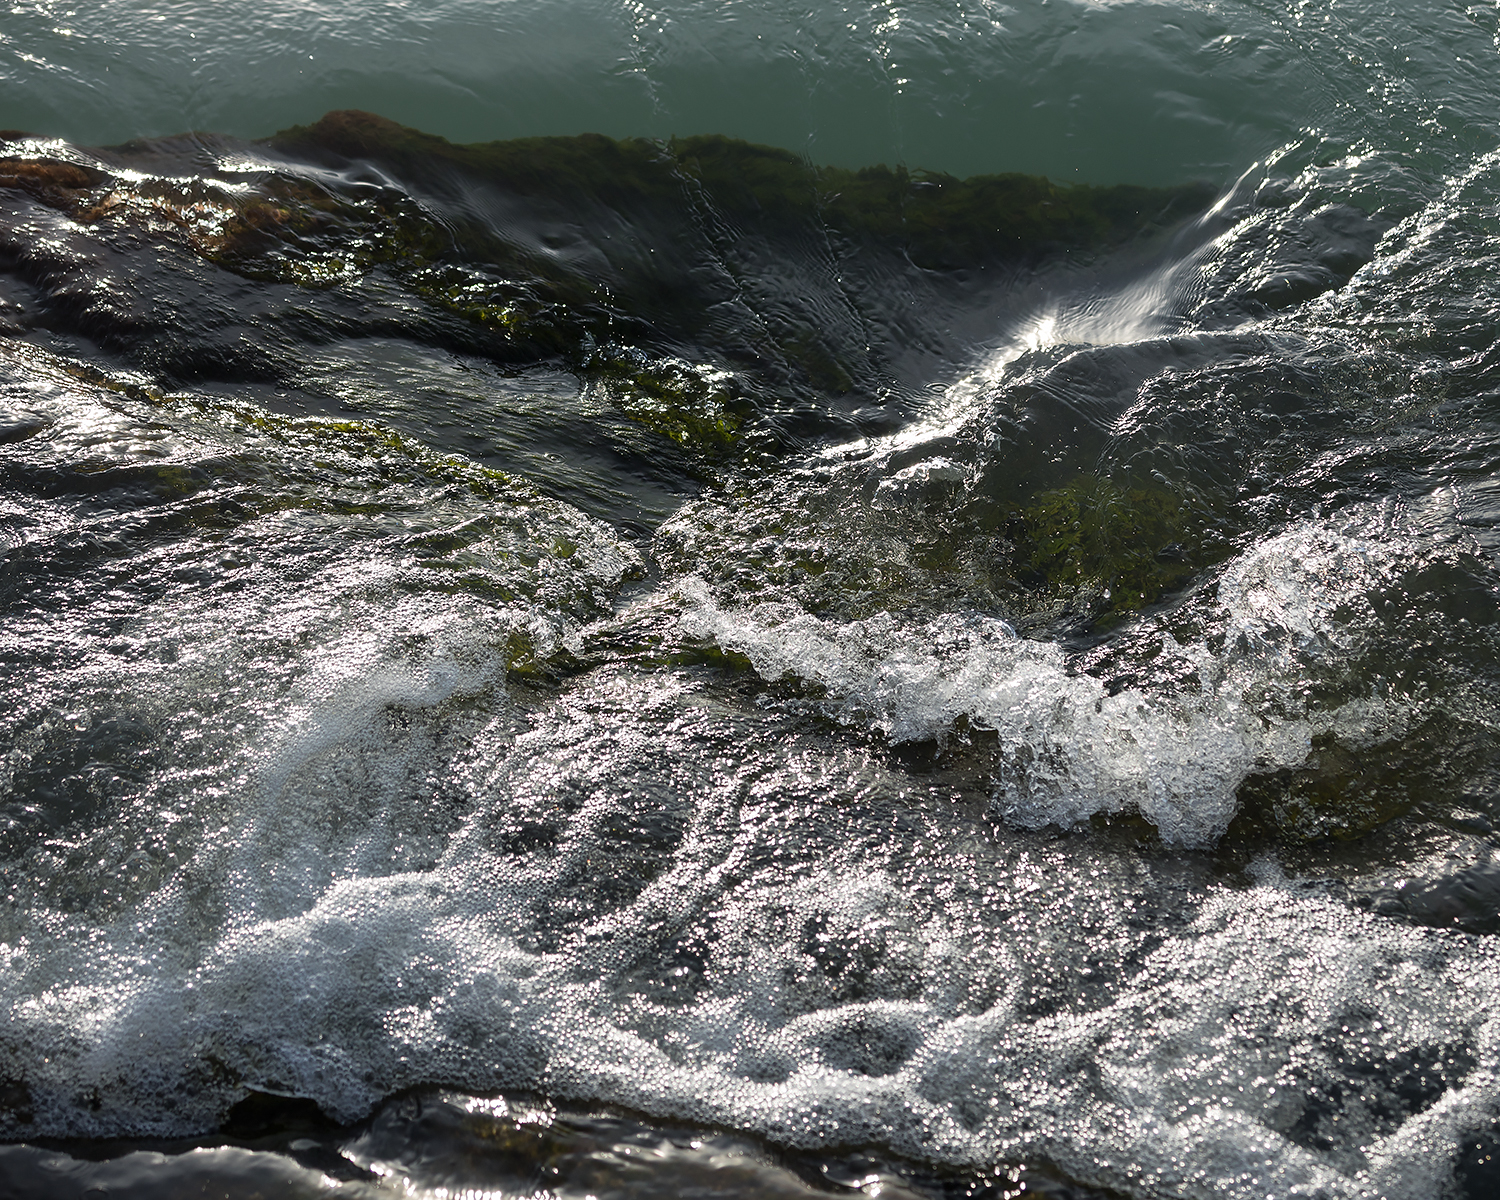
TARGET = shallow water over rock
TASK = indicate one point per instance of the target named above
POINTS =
(582, 666)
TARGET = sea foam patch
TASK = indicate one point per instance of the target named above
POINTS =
(776, 968)
(1071, 745)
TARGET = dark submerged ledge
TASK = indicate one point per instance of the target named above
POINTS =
(734, 299)
(941, 221)
(440, 1143)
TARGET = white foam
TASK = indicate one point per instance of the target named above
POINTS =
(844, 995)
(647, 894)
(1070, 746)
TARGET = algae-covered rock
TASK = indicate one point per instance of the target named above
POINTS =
(1338, 793)
(1345, 791)
(1123, 545)
(53, 183)
(696, 249)
(693, 407)
(735, 299)
(940, 220)
(851, 546)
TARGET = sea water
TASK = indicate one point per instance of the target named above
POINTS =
(649, 664)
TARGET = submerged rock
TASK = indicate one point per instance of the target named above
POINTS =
(680, 247)
(940, 221)
(732, 298)
(1121, 547)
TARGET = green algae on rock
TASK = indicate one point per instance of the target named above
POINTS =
(665, 247)
(942, 222)
(1125, 546)
(734, 299)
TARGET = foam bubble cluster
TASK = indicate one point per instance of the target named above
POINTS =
(1070, 745)
(652, 918)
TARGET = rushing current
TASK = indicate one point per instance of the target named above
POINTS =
(619, 599)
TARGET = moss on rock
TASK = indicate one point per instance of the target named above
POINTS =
(940, 221)
(676, 275)
(1126, 545)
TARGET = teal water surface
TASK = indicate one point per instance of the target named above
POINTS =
(1101, 92)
